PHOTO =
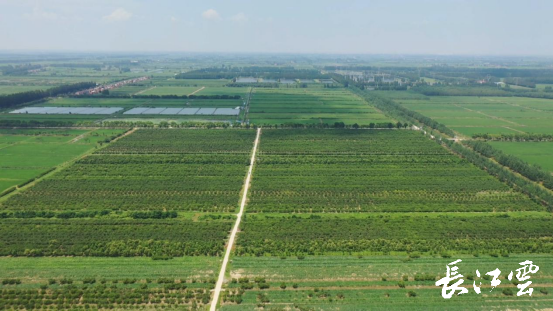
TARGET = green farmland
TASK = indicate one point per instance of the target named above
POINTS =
(164, 198)
(493, 115)
(353, 283)
(344, 219)
(345, 183)
(26, 153)
(313, 105)
(538, 153)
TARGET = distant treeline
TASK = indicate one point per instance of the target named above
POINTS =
(461, 75)
(45, 123)
(12, 100)
(11, 70)
(159, 96)
(478, 91)
(252, 71)
(258, 85)
(77, 65)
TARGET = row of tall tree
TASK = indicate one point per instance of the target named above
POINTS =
(531, 172)
(16, 99)
(535, 192)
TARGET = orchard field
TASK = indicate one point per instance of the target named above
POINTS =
(141, 222)
(345, 219)
(311, 105)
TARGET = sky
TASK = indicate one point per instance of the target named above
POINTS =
(444, 27)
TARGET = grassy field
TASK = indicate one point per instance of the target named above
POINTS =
(353, 283)
(25, 154)
(10, 89)
(171, 90)
(538, 153)
(468, 115)
(311, 105)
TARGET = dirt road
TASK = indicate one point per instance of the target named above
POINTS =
(219, 285)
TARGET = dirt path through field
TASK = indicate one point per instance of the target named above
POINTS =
(140, 92)
(76, 139)
(489, 116)
(196, 91)
(230, 243)
(514, 129)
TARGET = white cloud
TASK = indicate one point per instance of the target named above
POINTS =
(239, 18)
(39, 14)
(211, 14)
(118, 15)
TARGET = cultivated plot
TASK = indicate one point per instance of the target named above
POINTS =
(162, 170)
(344, 219)
(350, 171)
(537, 153)
(310, 106)
(26, 153)
(470, 115)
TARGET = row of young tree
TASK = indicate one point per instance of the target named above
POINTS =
(12, 100)
(535, 192)
(514, 137)
(107, 95)
(398, 111)
(531, 172)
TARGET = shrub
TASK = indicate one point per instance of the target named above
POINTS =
(507, 292)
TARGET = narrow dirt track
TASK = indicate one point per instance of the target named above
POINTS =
(219, 285)
(196, 91)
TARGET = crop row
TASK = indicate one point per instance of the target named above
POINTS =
(345, 183)
(109, 237)
(174, 296)
(179, 141)
(346, 141)
(486, 234)
(140, 182)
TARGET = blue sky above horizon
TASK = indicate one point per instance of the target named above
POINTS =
(456, 27)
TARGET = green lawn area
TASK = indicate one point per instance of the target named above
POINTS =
(10, 89)
(468, 115)
(539, 153)
(25, 154)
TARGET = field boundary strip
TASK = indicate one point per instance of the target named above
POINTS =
(221, 278)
